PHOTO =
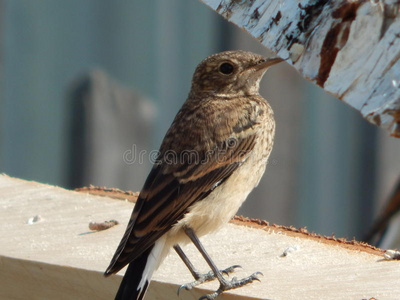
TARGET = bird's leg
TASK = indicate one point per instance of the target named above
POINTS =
(196, 274)
(224, 284)
(199, 277)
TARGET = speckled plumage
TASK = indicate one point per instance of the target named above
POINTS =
(212, 156)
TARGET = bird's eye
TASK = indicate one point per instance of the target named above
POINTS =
(226, 68)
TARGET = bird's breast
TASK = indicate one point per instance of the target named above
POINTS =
(223, 202)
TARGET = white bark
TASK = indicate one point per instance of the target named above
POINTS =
(349, 48)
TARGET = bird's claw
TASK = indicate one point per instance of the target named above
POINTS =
(233, 284)
(255, 275)
(183, 286)
(209, 296)
(201, 278)
(231, 269)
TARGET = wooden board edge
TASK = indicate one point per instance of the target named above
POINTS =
(352, 245)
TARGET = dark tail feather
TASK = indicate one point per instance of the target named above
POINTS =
(129, 288)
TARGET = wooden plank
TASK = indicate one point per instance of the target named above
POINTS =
(349, 48)
(60, 258)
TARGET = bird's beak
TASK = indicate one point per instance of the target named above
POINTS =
(268, 62)
(251, 76)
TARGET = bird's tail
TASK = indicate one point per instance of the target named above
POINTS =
(138, 274)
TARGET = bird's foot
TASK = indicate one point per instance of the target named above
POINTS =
(201, 278)
(233, 284)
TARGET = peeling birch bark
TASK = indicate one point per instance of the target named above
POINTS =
(349, 48)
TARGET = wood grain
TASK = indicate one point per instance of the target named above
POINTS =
(60, 258)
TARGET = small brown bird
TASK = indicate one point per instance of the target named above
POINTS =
(213, 155)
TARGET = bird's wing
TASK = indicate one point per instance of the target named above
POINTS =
(171, 188)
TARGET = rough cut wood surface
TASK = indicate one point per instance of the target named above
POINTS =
(349, 48)
(58, 257)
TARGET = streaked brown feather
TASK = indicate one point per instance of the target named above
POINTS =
(171, 189)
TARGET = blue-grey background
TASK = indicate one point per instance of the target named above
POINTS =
(329, 169)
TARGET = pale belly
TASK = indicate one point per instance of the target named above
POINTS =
(222, 204)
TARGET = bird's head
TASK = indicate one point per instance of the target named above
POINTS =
(231, 73)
